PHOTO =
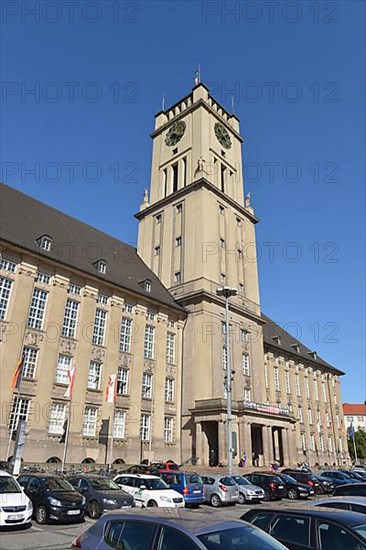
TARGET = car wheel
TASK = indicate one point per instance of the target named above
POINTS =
(242, 499)
(215, 501)
(93, 510)
(152, 504)
(292, 494)
(267, 495)
(41, 515)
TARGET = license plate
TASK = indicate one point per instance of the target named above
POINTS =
(197, 492)
(15, 516)
(303, 494)
(73, 512)
(280, 486)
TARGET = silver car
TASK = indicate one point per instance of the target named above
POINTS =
(220, 489)
(247, 491)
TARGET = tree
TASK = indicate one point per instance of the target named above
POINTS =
(360, 443)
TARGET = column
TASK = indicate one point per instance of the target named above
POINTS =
(286, 447)
(265, 459)
(222, 442)
(246, 444)
(270, 444)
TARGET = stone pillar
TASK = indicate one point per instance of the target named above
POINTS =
(286, 447)
(222, 442)
(202, 460)
(268, 431)
(246, 443)
(265, 459)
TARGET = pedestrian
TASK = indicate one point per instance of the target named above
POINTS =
(244, 459)
(275, 466)
(253, 458)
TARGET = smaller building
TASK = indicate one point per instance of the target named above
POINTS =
(355, 414)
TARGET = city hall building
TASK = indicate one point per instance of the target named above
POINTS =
(73, 297)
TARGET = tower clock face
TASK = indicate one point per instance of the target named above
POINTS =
(222, 135)
(175, 133)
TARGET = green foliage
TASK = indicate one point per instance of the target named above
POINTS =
(360, 442)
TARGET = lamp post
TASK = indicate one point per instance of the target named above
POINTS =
(227, 292)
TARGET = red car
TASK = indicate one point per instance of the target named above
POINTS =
(168, 466)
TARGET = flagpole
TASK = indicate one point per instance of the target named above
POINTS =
(66, 439)
(111, 423)
(17, 409)
(354, 447)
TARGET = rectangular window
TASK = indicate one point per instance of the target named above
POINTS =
(266, 375)
(119, 424)
(287, 381)
(276, 379)
(102, 299)
(122, 381)
(312, 442)
(74, 289)
(184, 162)
(327, 420)
(145, 427)
(178, 241)
(94, 375)
(99, 327)
(147, 385)
(310, 416)
(5, 290)
(223, 327)
(63, 367)
(301, 418)
(325, 397)
(150, 316)
(125, 335)
(307, 389)
(224, 358)
(127, 308)
(57, 418)
(223, 170)
(37, 308)
(46, 244)
(149, 342)
(90, 422)
(170, 348)
(303, 442)
(169, 390)
(321, 441)
(168, 429)
(245, 364)
(43, 278)
(316, 392)
(30, 361)
(297, 382)
(337, 421)
(175, 177)
(330, 444)
(245, 335)
(6, 265)
(70, 318)
(335, 399)
(19, 411)
(247, 395)
(179, 208)
(158, 218)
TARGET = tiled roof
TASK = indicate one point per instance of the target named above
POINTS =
(354, 408)
(276, 337)
(23, 220)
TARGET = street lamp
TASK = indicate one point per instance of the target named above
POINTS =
(227, 292)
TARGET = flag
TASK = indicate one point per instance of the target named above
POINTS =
(351, 431)
(70, 378)
(342, 427)
(64, 431)
(196, 77)
(111, 390)
(18, 373)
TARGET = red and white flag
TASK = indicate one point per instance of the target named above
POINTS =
(70, 379)
(111, 390)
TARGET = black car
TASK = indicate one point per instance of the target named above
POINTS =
(311, 528)
(356, 490)
(101, 494)
(294, 489)
(326, 485)
(271, 484)
(53, 498)
(305, 477)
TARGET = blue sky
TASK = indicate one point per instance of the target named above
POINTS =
(296, 70)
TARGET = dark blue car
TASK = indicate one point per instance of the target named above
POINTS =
(188, 484)
(337, 477)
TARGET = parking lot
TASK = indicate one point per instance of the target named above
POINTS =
(59, 537)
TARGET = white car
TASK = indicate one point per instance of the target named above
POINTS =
(15, 506)
(149, 491)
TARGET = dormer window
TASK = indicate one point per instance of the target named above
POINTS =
(101, 266)
(146, 285)
(313, 354)
(277, 339)
(296, 347)
(45, 243)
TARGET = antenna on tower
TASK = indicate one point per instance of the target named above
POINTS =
(163, 102)
(232, 105)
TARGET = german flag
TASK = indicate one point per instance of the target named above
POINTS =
(17, 376)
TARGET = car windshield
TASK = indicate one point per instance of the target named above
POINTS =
(103, 484)
(57, 484)
(240, 480)
(240, 538)
(8, 485)
(194, 479)
(154, 484)
(288, 478)
(361, 530)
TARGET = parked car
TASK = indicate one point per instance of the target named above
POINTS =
(168, 466)
(355, 504)
(156, 529)
(15, 507)
(220, 489)
(337, 477)
(271, 484)
(53, 498)
(295, 489)
(101, 494)
(189, 484)
(141, 469)
(358, 476)
(307, 478)
(150, 491)
(247, 491)
(311, 528)
(326, 485)
(354, 489)
(6, 466)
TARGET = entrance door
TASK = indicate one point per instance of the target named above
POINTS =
(257, 444)
(210, 429)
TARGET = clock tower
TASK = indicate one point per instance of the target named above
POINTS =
(196, 232)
